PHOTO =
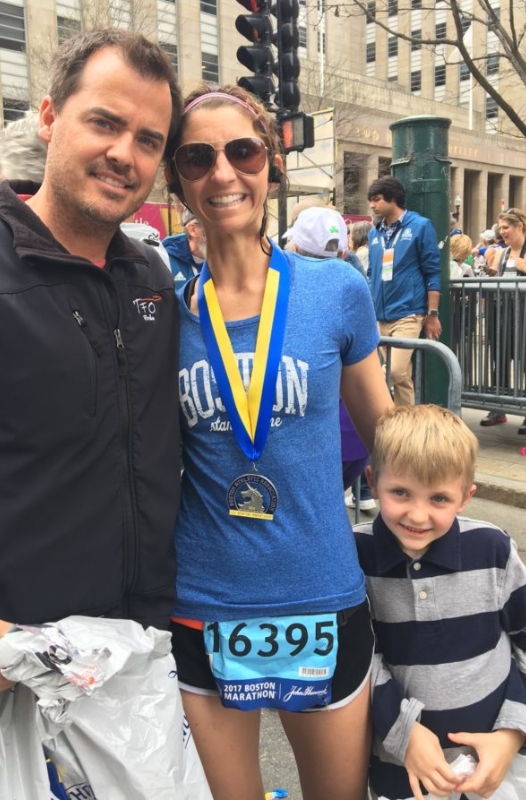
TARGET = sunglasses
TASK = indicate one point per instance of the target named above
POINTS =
(193, 161)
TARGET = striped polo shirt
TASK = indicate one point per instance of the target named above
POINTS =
(451, 640)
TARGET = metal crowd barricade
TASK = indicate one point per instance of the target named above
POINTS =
(488, 336)
(421, 348)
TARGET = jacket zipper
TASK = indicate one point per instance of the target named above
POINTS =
(90, 350)
(130, 546)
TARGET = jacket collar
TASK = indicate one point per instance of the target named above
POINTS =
(444, 552)
(177, 245)
(31, 238)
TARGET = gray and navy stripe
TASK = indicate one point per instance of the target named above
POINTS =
(451, 639)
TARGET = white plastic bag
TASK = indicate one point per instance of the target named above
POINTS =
(23, 773)
(109, 710)
(513, 787)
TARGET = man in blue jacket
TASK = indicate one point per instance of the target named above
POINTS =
(187, 250)
(404, 273)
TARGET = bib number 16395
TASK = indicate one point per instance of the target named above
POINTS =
(295, 639)
(292, 657)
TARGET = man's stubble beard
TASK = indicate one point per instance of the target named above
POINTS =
(82, 213)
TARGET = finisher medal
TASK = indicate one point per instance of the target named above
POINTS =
(250, 495)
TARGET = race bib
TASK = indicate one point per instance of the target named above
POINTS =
(286, 663)
(387, 264)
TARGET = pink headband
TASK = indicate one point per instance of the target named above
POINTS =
(222, 95)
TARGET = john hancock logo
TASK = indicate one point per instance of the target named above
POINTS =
(147, 307)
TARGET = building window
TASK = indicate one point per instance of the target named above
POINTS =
(210, 67)
(464, 72)
(416, 81)
(392, 46)
(440, 75)
(171, 50)
(121, 13)
(384, 166)
(492, 109)
(416, 45)
(496, 12)
(492, 65)
(440, 30)
(370, 52)
(392, 8)
(416, 3)
(12, 28)
(321, 41)
(392, 79)
(209, 7)
(14, 109)
(66, 28)
(370, 15)
(465, 23)
(302, 30)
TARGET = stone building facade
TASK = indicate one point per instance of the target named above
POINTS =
(349, 63)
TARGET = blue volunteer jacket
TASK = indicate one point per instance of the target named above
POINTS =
(416, 268)
(182, 264)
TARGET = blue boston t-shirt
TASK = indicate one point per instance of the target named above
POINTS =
(304, 560)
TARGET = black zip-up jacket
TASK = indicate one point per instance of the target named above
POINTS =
(89, 443)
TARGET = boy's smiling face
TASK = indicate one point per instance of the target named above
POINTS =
(415, 514)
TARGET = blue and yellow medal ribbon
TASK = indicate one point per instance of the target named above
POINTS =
(249, 411)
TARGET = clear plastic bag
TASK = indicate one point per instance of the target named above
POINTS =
(105, 704)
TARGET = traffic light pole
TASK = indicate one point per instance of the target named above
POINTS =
(296, 128)
(282, 206)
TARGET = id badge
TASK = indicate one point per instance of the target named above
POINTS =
(286, 662)
(387, 264)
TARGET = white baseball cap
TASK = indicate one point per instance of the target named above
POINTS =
(187, 216)
(315, 227)
(488, 235)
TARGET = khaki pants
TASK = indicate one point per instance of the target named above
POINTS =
(401, 367)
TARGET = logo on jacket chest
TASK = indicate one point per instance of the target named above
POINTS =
(146, 307)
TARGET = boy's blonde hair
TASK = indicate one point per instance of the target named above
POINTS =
(426, 440)
(460, 247)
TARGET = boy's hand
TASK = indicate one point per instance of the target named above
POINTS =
(495, 752)
(425, 763)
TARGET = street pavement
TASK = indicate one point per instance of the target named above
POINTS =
(501, 469)
(500, 499)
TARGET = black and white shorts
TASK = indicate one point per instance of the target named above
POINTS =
(353, 661)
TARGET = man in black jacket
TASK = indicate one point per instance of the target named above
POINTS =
(89, 449)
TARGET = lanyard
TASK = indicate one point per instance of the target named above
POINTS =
(397, 236)
(249, 411)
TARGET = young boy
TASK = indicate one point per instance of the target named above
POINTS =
(448, 597)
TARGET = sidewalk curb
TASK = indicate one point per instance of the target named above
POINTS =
(488, 488)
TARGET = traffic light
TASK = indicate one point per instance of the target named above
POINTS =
(297, 131)
(288, 39)
(258, 57)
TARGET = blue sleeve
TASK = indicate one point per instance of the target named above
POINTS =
(360, 332)
(429, 256)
